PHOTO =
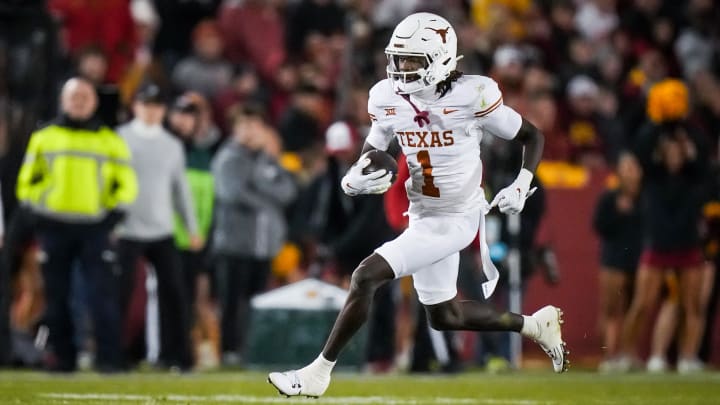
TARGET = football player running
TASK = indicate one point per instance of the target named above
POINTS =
(438, 116)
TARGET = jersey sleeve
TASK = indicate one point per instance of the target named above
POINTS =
(380, 134)
(492, 115)
(378, 138)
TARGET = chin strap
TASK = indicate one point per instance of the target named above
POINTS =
(421, 117)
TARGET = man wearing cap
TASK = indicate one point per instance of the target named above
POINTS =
(147, 230)
(74, 182)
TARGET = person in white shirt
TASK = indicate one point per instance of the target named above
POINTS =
(147, 229)
(439, 116)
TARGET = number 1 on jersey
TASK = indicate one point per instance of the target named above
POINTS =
(428, 189)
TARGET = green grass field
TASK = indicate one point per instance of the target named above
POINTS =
(523, 388)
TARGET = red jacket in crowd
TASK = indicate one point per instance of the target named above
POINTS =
(103, 23)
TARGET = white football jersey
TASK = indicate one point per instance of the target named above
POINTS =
(444, 156)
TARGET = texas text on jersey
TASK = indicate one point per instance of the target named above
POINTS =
(444, 155)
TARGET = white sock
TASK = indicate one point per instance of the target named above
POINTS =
(530, 327)
(322, 365)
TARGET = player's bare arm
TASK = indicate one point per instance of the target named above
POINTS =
(533, 142)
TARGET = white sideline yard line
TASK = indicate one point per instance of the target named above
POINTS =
(249, 399)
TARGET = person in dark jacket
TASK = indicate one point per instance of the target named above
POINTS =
(674, 162)
(618, 224)
(346, 230)
(252, 191)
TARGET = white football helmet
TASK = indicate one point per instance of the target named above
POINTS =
(426, 35)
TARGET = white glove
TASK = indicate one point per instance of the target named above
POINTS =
(511, 199)
(355, 182)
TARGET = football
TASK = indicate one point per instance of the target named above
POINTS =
(380, 160)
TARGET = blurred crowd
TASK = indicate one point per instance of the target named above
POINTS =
(659, 241)
(239, 117)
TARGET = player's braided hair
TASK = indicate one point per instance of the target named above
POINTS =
(444, 86)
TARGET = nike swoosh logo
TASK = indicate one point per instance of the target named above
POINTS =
(448, 111)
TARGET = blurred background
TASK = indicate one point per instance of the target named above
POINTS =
(268, 99)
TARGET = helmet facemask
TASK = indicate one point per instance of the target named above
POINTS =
(406, 77)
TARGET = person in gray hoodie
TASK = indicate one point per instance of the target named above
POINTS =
(252, 191)
(158, 158)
